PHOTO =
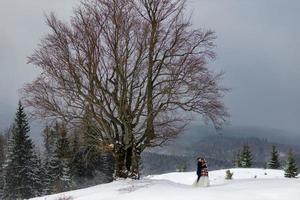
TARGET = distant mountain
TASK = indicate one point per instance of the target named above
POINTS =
(219, 150)
(273, 135)
(198, 136)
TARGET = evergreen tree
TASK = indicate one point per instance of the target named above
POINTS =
(90, 165)
(1, 182)
(274, 161)
(47, 179)
(39, 175)
(76, 163)
(50, 136)
(75, 144)
(2, 158)
(290, 169)
(66, 178)
(246, 157)
(20, 176)
(107, 167)
(2, 149)
(89, 156)
(58, 169)
(237, 160)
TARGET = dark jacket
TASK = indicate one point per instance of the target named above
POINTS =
(199, 168)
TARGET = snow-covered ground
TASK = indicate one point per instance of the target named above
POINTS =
(247, 184)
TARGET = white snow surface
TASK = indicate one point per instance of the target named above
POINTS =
(247, 184)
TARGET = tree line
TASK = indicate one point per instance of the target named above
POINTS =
(68, 160)
(244, 159)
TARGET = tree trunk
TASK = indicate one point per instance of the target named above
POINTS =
(119, 157)
(127, 163)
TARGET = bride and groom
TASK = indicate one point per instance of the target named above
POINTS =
(202, 173)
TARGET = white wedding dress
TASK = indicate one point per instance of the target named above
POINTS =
(203, 182)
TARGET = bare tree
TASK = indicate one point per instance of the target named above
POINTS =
(136, 69)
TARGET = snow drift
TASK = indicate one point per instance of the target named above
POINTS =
(247, 184)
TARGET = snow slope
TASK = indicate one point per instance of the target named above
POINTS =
(248, 184)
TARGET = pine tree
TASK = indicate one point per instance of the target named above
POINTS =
(39, 175)
(2, 158)
(290, 169)
(66, 178)
(76, 163)
(90, 165)
(107, 167)
(2, 149)
(52, 173)
(50, 136)
(75, 144)
(246, 157)
(274, 161)
(58, 169)
(47, 179)
(90, 155)
(237, 160)
(20, 176)
(1, 182)
(7, 182)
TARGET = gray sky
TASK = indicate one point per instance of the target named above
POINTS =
(258, 48)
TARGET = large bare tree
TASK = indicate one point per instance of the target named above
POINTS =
(136, 69)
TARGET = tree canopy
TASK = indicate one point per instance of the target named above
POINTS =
(136, 69)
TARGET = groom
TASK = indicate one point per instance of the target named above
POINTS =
(199, 168)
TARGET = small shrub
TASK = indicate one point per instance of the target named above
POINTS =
(229, 175)
(181, 168)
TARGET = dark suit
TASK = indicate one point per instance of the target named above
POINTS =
(199, 169)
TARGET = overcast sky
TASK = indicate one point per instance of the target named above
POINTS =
(258, 49)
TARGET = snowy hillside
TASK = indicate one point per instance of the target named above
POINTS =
(248, 184)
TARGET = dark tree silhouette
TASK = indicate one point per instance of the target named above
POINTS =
(21, 166)
(274, 161)
(246, 157)
(290, 169)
